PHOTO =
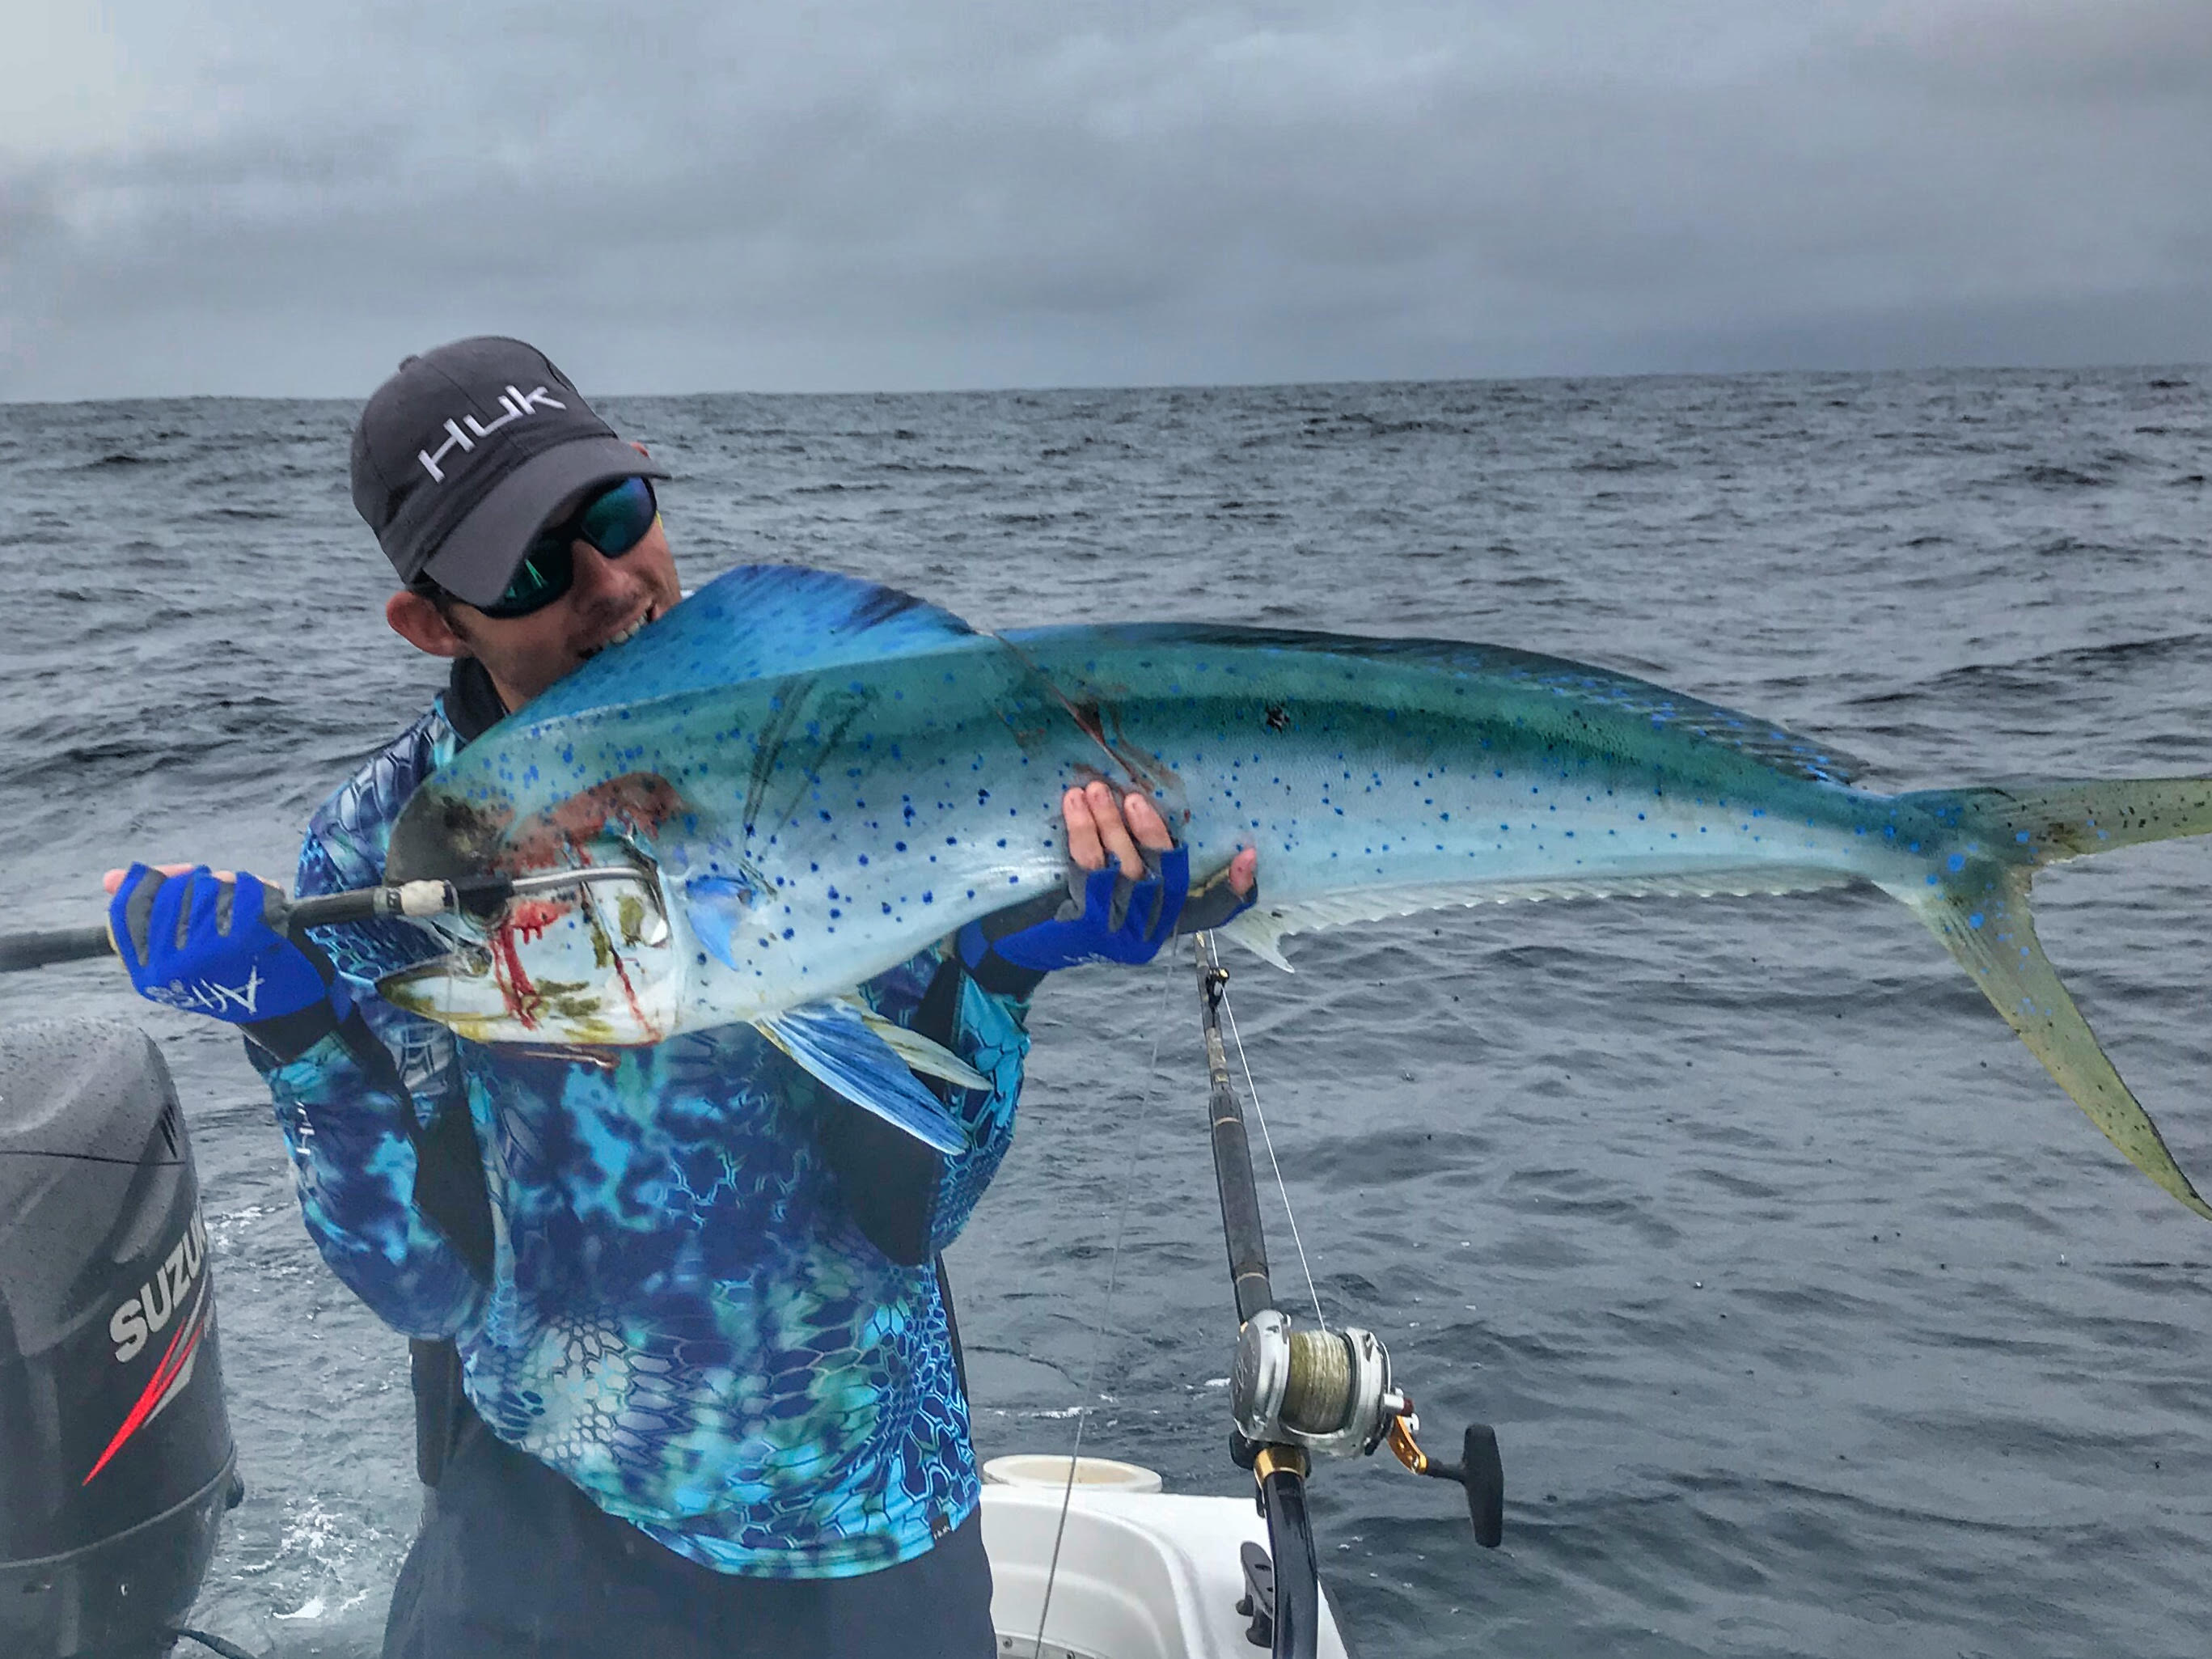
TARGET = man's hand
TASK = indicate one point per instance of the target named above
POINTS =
(1132, 896)
(198, 941)
(1098, 828)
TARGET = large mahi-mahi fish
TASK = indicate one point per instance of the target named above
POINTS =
(817, 777)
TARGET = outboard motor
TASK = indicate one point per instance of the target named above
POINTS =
(116, 1463)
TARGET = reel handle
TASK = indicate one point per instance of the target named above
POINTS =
(1482, 1472)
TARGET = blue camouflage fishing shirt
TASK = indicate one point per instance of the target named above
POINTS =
(683, 1316)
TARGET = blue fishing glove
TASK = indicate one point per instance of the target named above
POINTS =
(203, 946)
(1118, 921)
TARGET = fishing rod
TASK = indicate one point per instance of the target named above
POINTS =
(480, 894)
(1296, 1392)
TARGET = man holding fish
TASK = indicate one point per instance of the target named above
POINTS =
(686, 1375)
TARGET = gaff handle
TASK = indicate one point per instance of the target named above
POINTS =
(42, 949)
(45, 948)
(401, 898)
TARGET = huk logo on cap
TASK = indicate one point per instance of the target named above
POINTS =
(516, 402)
(460, 456)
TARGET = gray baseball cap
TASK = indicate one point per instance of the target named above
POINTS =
(464, 454)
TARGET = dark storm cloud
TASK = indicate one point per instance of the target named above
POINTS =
(870, 195)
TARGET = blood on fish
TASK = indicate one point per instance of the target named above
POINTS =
(521, 995)
(528, 918)
(629, 991)
(642, 801)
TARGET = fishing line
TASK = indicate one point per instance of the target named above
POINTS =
(1106, 1312)
(1258, 1111)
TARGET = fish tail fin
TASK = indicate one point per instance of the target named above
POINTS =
(1980, 911)
(2052, 822)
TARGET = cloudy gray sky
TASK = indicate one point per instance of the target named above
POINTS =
(284, 196)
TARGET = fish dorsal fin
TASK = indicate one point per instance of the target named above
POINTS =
(755, 622)
(1506, 671)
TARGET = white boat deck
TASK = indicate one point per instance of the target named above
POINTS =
(1142, 1574)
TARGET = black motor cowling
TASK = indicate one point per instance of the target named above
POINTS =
(116, 1462)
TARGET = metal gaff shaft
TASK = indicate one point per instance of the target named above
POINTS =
(420, 898)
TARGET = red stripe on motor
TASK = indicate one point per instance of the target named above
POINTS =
(173, 1361)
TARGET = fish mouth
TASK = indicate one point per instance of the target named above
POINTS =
(584, 957)
(489, 993)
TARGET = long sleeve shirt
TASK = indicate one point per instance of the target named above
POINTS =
(682, 1315)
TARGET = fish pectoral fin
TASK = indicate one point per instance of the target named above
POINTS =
(921, 1054)
(831, 1043)
(716, 908)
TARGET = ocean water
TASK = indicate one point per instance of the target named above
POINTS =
(1812, 1316)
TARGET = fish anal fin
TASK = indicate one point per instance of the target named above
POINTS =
(1260, 928)
(1982, 917)
(1259, 931)
(833, 1043)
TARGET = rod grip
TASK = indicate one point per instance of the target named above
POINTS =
(1298, 1574)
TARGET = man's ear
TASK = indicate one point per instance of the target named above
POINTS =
(423, 625)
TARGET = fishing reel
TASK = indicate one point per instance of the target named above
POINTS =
(1296, 1392)
(1330, 1393)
